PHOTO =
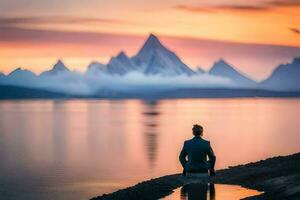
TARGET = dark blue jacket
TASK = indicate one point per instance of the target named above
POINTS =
(197, 150)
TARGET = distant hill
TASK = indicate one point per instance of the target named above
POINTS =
(19, 77)
(58, 68)
(121, 64)
(223, 69)
(21, 73)
(284, 77)
(95, 68)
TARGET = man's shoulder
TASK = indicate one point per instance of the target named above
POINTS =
(188, 141)
(193, 139)
(206, 141)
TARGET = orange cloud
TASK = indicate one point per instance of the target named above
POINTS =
(53, 20)
(201, 9)
(295, 30)
(284, 3)
(232, 31)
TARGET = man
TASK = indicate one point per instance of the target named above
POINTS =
(197, 150)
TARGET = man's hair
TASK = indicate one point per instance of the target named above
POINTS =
(197, 130)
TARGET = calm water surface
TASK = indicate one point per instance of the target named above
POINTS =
(78, 149)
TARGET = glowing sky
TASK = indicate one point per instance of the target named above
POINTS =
(255, 36)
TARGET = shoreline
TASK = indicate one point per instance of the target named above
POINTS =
(278, 177)
(10, 92)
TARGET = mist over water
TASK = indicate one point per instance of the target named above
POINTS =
(89, 84)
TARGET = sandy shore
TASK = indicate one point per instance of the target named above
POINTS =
(278, 177)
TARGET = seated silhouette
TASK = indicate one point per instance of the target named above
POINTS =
(194, 154)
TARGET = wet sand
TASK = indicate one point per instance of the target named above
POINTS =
(277, 177)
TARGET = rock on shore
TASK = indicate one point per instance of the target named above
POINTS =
(278, 177)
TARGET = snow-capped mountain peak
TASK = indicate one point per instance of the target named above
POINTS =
(150, 47)
(121, 64)
(20, 76)
(19, 71)
(154, 58)
(284, 77)
(59, 67)
(152, 42)
(15, 71)
(222, 68)
(122, 55)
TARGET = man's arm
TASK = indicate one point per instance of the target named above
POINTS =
(182, 156)
(212, 160)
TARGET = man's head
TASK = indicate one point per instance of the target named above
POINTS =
(197, 130)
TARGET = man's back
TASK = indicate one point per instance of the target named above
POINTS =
(197, 150)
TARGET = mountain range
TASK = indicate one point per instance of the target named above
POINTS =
(284, 77)
(223, 69)
(154, 59)
(58, 68)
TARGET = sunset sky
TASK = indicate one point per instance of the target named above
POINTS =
(255, 36)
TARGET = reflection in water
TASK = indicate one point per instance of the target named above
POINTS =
(59, 122)
(198, 191)
(77, 149)
(150, 131)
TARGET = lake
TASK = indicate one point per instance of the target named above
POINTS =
(78, 149)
